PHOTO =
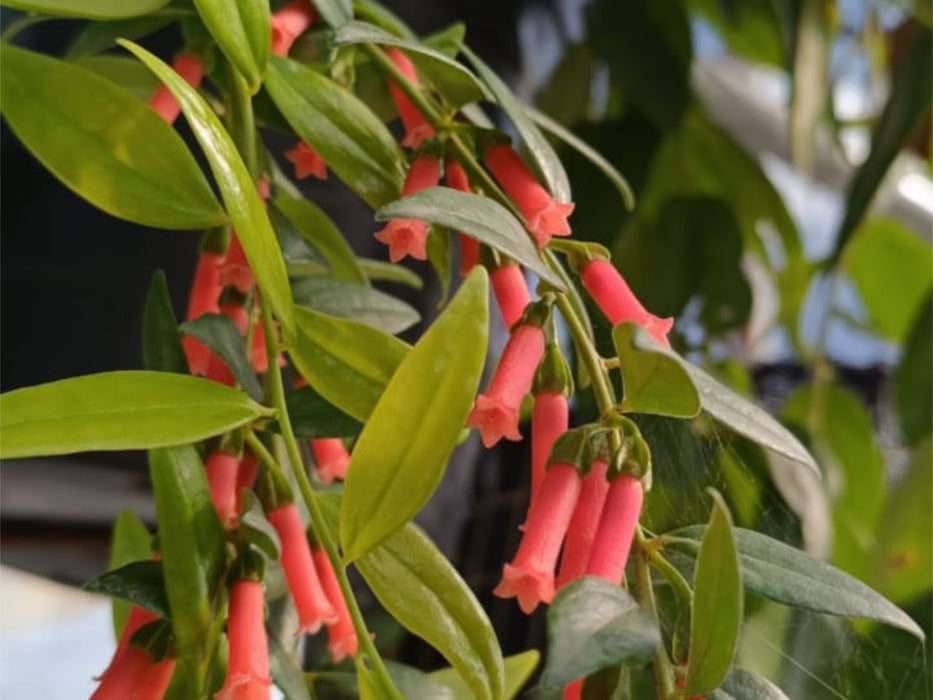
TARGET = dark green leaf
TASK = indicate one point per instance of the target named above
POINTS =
(717, 605)
(124, 71)
(313, 417)
(254, 526)
(543, 158)
(241, 30)
(220, 334)
(246, 210)
(346, 362)
(356, 302)
(162, 350)
(777, 571)
(378, 14)
(745, 685)
(191, 542)
(913, 379)
(352, 140)
(139, 583)
(401, 454)
(137, 168)
(567, 96)
(97, 37)
(129, 541)
(90, 9)
(380, 271)
(593, 624)
(440, 257)
(316, 228)
(334, 12)
(518, 669)
(475, 216)
(118, 411)
(286, 671)
(454, 82)
(653, 381)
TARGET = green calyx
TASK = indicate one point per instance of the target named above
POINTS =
(633, 456)
(156, 639)
(579, 253)
(274, 490)
(580, 447)
(553, 375)
(248, 566)
(537, 313)
(216, 240)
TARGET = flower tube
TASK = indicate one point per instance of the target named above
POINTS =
(410, 236)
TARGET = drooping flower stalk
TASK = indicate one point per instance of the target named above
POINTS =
(331, 459)
(248, 657)
(307, 162)
(410, 236)
(544, 216)
(417, 128)
(341, 636)
(616, 528)
(511, 292)
(222, 469)
(582, 530)
(617, 302)
(530, 576)
(456, 178)
(191, 70)
(288, 23)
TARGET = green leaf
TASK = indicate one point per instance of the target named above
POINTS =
(313, 417)
(781, 573)
(130, 541)
(89, 9)
(518, 669)
(220, 334)
(543, 158)
(124, 71)
(913, 379)
(246, 209)
(162, 350)
(884, 255)
(104, 143)
(316, 228)
(334, 12)
(356, 302)
(653, 381)
(254, 526)
(401, 454)
(416, 584)
(286, 672)
(453, 81)
(381, 271)
(745, 685)
(139, 583)
(133, 410)
(447, 40)
(475, 216)
(97, 37)
(191, 542)
(346, 362)
(717, 604)
(593, 624)
(352, 140)
(591, 154)
(241, 30)
(752, 29)
(440, 257)
(414, 683)
(810, 84)
(378, 14)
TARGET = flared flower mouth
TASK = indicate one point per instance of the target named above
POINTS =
(342, 645)
(494, 419)
(242, 686)
(530, 586)
(550, 220)
(307, 162)
(405, 237)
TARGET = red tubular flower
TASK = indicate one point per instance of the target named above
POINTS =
(331, 458)
(189, 67)
(417, 129)
(616, 528)
(205, 292)
(530, 576)
(456, 178)
(617, 302)
(410, 236)
(314, 608)
(289, 23)
(307, 162)
(222, 469)
(235, 270)
(511, 291)
(495, 412)
(572, 691)
(583, 526)
(258, 356)
(341, 637)
(133, 675)
(237, 313)
(549, 420)
(248, 657)
(544, 216)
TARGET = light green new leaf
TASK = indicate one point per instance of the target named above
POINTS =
(118, 411)
(89, 9)
(475, 216)
(104, 143)
(191, 542)
(241, 30)
(401, 454)
(357, 302)
(453, 81)
(346, 362)
(243, 204)
(518, 669)
(130, 541)
(717, 604)
(334, 12)
(352, 140)
(653, 381)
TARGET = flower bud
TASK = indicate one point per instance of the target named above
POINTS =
(417, 129)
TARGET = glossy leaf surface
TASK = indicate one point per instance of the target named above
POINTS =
(357, 302)
(241, 30)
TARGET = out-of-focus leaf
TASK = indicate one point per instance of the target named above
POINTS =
(357, 302)
(518, 669)
(89, 9)
(286, 671)
(254, 526)
(139, 583)
(447, 40)
(97, 37)
(913, 379)
(334, 12)
(745, 685)
(566, 96)
(376, 13)
(882, 256)
(440, 257)
(130, 541)
(313, 417)
(380, 271)
(162, 350)
(810, 80)
(220, 334)
(241, 30)
(137, 168)
(752, 29)
(414, 683)
(124, 71)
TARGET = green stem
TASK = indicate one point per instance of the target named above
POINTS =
(669, 571)
(318, 524)
(644, 592)
(241, 122)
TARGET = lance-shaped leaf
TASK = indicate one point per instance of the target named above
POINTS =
(518, 669)
(241, 30)
(452, 80)
(475, 216)
(119, 411)
(346, 362)
(653, 381)
(130, 541)
(220, 334)
(139, 582)
(593, 624)
(89, 9)
(401, 454)
(162, 350)
(104, 143)
(777, 571)
(125, 71)
(379, 270)
(97, 37)
(352, 140)
(313, 416)
(717, 605)
(355, 301)
(745, 685)
(243, 204)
